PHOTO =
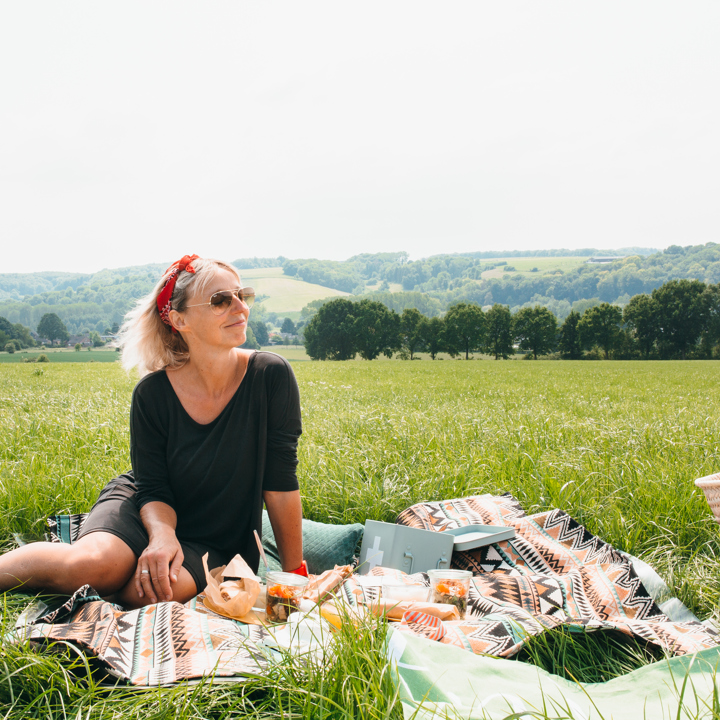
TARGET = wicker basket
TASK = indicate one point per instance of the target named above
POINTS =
(710, 485)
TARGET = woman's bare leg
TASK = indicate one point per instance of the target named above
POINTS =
(182, 591)
(99, 559)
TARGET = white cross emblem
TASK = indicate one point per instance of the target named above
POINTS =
(374, 555)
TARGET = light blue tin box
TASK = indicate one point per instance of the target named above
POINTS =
(412, 550)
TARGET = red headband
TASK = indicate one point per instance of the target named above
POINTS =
(164, 299)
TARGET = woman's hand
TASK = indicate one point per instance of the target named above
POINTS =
(158, 567)
(160, 563)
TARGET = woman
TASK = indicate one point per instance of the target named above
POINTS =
(213, 434)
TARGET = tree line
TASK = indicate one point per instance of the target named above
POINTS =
(16, 336)
(87, 302)
(464, 278)
(51, 327)
(95, 302)
(680, 319)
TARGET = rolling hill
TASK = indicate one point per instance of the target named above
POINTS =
(285, 295)
(558, 279)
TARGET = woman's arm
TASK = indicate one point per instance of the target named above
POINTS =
(149, 422)
(280, 486)
(163, 557)
(285, 512)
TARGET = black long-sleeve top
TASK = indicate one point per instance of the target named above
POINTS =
(214, 475)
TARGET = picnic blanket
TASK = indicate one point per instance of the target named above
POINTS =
(167, 642)
(156, 645)
(553, 572)
(442, 681)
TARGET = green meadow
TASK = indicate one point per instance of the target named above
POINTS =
(532, 265)
(63, 355)
(285, 295)
(615, 444)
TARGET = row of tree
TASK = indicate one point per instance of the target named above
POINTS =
(463, 278)
(87, 302)
(15, 334)
(678, 320)
(52, 328)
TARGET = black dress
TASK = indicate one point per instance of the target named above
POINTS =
(212, 475)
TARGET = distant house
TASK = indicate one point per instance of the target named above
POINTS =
(84, 340)
(39, 340)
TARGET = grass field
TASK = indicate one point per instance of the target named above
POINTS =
(392, 287)
(286, 295)
(544, 265)
(294, 353)
(63, 355)
(617, 445)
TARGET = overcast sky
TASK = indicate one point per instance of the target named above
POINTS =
(134, 132)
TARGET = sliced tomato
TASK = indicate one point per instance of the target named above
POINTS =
(282, 591)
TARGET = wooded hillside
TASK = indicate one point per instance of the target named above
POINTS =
(561, 282)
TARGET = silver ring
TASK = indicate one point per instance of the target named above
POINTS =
(144, 572)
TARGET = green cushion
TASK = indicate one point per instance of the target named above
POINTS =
(324, 546)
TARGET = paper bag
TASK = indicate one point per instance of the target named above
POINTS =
(320, 587)
(232, 598)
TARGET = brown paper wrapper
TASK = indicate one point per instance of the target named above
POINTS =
(320, 587)
(232, 598)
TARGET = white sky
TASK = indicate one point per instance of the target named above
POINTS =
(136, 132)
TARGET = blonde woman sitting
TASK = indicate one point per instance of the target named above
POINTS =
(213, 435)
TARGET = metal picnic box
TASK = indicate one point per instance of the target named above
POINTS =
(412, 550)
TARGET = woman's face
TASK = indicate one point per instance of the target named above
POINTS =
(200, 324)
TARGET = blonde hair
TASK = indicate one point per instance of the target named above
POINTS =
(147, 343)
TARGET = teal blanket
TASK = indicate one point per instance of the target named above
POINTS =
(450, 682)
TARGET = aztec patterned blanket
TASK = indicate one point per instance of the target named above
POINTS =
(158, 644)
(553, 572)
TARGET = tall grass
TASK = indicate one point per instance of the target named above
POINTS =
(616, 445)
(591, 656)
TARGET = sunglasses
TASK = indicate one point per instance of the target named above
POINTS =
(221, 301)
